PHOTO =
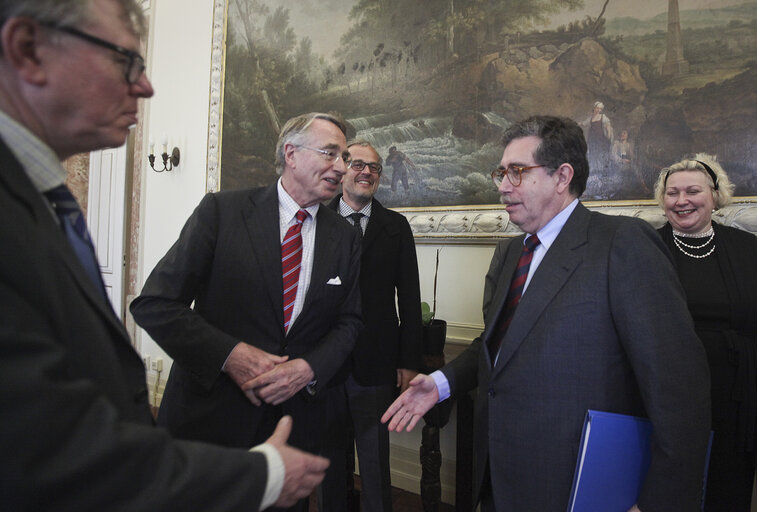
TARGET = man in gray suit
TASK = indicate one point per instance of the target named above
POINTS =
(582, 312)
(246, 348)
(77, 432)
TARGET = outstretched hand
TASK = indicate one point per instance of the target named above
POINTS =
(303, 471)
(412, 404)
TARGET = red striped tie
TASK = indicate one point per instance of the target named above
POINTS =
(513, 296)
(291, 257)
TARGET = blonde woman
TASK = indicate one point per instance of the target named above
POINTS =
(717, 266)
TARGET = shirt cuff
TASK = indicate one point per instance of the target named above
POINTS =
(310, 388)
(442, 385)
(276, 474)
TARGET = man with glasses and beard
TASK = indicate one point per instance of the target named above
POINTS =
(257, 302)
(77, 432)
(584, 311)
(387, 354)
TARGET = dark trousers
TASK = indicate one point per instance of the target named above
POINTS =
(360, 409)
(729, 481)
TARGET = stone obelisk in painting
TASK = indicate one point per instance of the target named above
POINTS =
(674, 64)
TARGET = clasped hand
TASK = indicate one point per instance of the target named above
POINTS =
(266, 377)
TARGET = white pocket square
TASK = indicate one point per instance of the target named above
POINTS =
(335, 281)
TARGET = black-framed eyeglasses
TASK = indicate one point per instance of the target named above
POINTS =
(135, 63)
(359, 165)
(514, 173)
(330, 155)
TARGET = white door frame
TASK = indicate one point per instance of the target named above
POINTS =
(105, 217)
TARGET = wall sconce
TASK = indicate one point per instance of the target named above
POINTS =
(169, 161)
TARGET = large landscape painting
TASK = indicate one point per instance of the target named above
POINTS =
(439, 80)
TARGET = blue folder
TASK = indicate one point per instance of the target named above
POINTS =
(613, 460)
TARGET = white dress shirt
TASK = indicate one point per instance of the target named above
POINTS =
(288, 209)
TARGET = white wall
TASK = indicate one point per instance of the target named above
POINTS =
(179, 67)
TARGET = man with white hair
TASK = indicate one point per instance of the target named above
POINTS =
(257, 301)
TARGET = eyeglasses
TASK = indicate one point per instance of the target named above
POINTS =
(514, 173)
(330, 155)
(359, 165)
(135, 65)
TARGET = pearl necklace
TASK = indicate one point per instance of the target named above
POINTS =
(709, 234)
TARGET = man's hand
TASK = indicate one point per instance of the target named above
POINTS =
(411, 405)
(246, 362)
(635, 508)
(303, 471)
(404, 376)
(281, 383)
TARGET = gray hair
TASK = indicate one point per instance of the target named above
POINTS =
(724, 193)
(365, 144)
(295, 129)
(69, 12)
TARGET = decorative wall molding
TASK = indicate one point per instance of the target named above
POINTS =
(487, 225)
(217, 62)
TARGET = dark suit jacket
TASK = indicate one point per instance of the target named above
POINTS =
(388, 269)
(731, 347)
(227, 261)
(603, 325)
(76, 430)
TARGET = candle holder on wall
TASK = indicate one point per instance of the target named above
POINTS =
(169, 161)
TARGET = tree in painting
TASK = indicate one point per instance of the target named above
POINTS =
(439, 80)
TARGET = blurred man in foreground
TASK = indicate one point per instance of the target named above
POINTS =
(77, 432)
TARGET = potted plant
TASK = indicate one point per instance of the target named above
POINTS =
(434, 337)
(434, 330)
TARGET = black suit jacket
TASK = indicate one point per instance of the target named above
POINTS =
(227, 261)
(603, 325)
(388, 281)
(76, 430)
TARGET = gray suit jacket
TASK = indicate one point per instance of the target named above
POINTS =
(603, 325)
(76, 430)
(227, 261)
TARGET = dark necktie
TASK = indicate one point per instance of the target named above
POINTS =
(356, 222)
(514, 294)
(73, 225)
(291, 258)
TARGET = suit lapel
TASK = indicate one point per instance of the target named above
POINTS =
(18, 184)
(376, 223)
(512, 255)
(557, 266)
(325, 241)
(261, 217)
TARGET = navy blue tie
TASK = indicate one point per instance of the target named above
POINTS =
(73, 225)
